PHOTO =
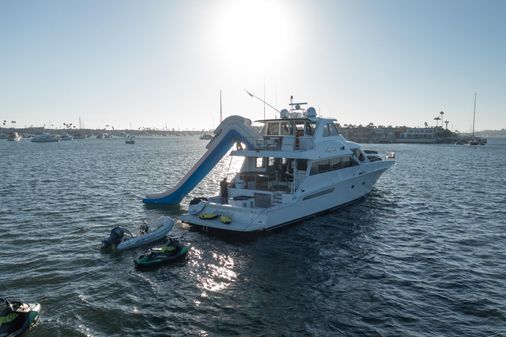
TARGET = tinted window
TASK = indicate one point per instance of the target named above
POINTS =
(335, 164)
(310, 128)
(273, 128)
(301, 164)
(326, 131)
(322, 166)
(333, 130)
(286, 128)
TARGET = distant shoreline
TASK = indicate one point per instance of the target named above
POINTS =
(96, 132)
(350, 132)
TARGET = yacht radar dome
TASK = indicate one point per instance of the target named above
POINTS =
(311, 112)
(284, 114)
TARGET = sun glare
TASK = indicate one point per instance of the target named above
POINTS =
(254, 35)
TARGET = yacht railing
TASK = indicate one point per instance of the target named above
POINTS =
(284, 143)
(264, 182)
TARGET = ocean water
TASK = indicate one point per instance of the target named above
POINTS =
(423, 255)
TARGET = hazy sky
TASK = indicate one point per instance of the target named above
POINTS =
(157, 63)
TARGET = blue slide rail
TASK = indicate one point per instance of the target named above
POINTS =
(214, 155)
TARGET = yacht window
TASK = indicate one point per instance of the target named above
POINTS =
(333, 130)
(330, 130)
(300, 129)
(287, 165)
(260, 162)
(319, 166)
(310, 129)
(301, 164)
(333, 164)
(273, 128)
(314, 169)
(286, 128)
(326, 131)
(272, 161)
(349, 162)
(324, 167)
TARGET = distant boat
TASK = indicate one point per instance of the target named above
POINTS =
(130, 139)
(45, 138)
(14, 137)
(206, 136)
(66, 136)
(476, 140)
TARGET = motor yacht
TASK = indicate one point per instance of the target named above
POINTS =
(293, 167)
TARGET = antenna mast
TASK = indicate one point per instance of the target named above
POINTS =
(474, 112)
(221, 111)
(264, 97)
(261, 100)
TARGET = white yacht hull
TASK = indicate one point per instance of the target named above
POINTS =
(303, 205)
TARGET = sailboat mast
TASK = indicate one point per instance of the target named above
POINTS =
(474, 112)
(264, 97)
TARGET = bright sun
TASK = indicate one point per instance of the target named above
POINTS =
(256, 35)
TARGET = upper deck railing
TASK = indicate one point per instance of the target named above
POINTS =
(284, 143)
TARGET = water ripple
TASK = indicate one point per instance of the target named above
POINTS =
(423, 255)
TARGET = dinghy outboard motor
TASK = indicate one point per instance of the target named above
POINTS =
(115, 238)
(16, 317)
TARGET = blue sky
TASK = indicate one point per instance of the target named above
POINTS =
(157, 63)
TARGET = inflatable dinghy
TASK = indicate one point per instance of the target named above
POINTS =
(118, 241)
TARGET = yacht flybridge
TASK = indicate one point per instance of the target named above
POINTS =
(294, 167)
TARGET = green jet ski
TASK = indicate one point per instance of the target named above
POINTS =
(171, 252)
(16, 317)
